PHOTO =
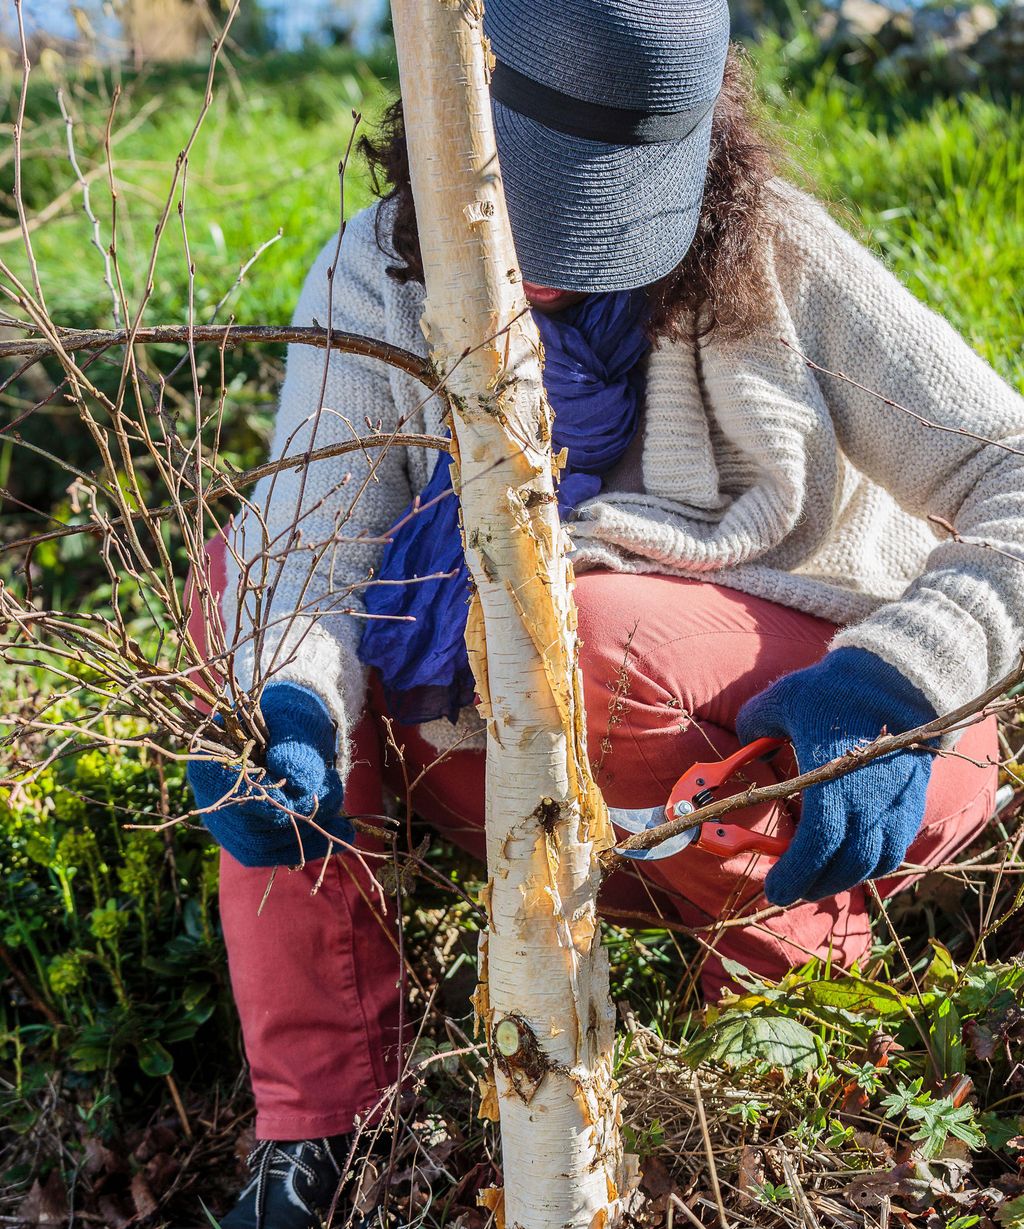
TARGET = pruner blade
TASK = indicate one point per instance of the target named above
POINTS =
(640, 819)
(695, 789)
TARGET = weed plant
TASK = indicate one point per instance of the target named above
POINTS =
(111, 936)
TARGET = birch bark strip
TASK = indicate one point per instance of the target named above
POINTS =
(543, 997)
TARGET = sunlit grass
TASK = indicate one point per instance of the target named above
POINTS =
(266, 160)
(936, 186)
(939, 190)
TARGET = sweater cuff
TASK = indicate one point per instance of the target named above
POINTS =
(303, 652)
(934, 643)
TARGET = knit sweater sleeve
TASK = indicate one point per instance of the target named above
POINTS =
(954, 451)
(312, 536)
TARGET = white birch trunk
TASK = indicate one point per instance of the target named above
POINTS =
(543, 998)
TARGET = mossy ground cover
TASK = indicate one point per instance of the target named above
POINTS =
(118, 1044)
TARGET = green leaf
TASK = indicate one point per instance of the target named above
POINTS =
(154, 1059)
(743, 976)
(999, 1131)
(201, 1013)
(946, 1033)
(768, 1192)
(988, 987)
(867, 1077)
(898, 1103)
(183, 1029)
(748, 1112)
(1012, 1214)
(741, 1041)
(194, 994)
(90, 1056)
(859, 997)
(942, 971)
(941, 1119)
(838, 1135)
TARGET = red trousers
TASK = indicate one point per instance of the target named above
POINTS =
(667, 663)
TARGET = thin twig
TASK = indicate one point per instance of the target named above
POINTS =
(964, 432)
(230, 486)
(966, 714)
(710, 1152)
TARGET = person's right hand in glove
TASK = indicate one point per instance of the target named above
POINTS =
(858, 826)
(300, 755)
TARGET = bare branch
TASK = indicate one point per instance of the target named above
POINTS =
(232, 484)
(925, 422)
(967, 714)
(73, 340)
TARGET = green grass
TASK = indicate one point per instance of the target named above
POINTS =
(266, 160)
(938, 189)
(937, 186)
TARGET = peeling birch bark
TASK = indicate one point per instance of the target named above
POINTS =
(543, 996)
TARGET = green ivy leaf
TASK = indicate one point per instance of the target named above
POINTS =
(741, 1041)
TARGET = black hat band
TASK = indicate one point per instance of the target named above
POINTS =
(592, 120)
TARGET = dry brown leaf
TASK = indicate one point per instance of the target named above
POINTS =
(99, 1159)
(142, 1196)
(493, 1198)
(655, 1179)
(750, 1175)
(875, 1147)
(488, 1098)
(366, 1195)
(114, 1216)
(46, 1203)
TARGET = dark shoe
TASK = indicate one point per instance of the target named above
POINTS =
(292, 1184)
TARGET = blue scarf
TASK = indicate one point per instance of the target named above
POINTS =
(592, 353)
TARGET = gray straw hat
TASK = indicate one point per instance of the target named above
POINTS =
(602, 113)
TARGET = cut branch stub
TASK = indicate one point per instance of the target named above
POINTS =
(518, 1055)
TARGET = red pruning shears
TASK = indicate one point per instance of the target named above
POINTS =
(695, 789)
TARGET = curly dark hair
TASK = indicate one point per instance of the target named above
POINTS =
(722, 282)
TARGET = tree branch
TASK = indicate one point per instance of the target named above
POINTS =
(856, 758)
(72, 340)
(231, 483)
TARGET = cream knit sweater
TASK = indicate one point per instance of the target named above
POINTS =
(754, 472)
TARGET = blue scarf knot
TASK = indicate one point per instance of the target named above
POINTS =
(592, 378)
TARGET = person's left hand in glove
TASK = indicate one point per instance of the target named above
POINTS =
(259, 824)
(858, 826)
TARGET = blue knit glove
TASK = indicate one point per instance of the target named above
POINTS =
(300, 752)
(861, 825)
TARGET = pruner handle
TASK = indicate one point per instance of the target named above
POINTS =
(701, 779)
(726, 840)
(719, 771)
(697, 786)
